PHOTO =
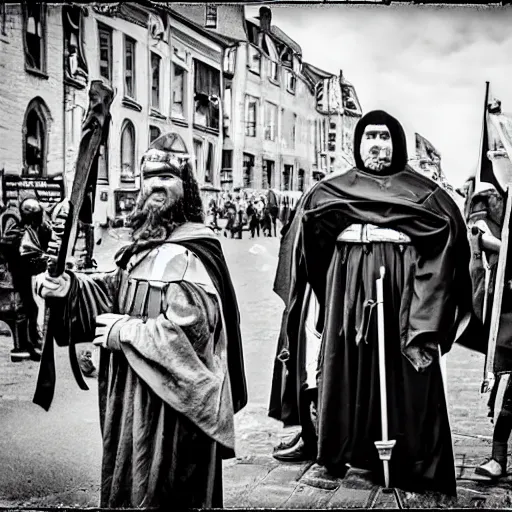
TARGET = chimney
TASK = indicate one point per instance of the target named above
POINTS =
(265, 19)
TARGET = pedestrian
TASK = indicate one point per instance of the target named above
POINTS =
(171, 372)
(34, 260)
(380, 213)
(266, 222)
(274, 213)
(16, 296)
(254, 221)
(485, 211)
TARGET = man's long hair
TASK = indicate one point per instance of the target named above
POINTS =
(156, 224)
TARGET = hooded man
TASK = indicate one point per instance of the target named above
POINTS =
(380, 213)
(171, 372)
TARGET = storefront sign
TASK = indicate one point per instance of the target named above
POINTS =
(47, 191)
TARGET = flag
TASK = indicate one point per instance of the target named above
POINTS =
(425, 149)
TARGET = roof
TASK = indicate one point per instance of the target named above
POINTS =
(280, 35)
(315, 74)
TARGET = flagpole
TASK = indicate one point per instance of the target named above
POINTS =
(484, 121)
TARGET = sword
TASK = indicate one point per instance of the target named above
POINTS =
(385, 446)
(64, 224)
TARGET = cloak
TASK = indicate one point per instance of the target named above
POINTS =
(428, 308)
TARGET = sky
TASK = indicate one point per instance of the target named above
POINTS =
(425, 65)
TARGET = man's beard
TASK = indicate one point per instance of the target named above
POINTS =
(153, 222)
(377, 164)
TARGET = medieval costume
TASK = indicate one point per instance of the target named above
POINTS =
(17, 306)
(349, 226)
(486, 211)
(171, 372)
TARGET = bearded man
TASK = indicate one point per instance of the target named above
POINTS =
(380, 213)
(171, 372)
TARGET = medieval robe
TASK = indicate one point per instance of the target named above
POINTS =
(427, 298)
(173, 377)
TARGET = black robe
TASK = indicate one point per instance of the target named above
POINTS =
(439, 288)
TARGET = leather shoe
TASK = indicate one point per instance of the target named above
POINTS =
(298, 453)
(491, 469)
(284, 445)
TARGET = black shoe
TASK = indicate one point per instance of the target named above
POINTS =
(19, 355)
(297, 453)
(284, 445)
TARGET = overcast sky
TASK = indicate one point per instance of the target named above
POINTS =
(427, 66)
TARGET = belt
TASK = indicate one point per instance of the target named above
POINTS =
(369, 233)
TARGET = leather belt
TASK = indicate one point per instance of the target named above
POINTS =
(369, 233)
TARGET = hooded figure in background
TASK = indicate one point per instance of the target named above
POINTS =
(380, 213)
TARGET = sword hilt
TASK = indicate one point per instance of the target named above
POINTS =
(488, 383)
(59, 240)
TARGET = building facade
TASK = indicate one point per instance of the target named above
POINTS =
(166, 72)
(286, 122)
(31, 90)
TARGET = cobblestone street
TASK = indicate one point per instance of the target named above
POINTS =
(52, 459)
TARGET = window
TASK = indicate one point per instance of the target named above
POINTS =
(248, 169)
(129, 69)
(227, 110)
(206, 95)
(294, 130)
(103, 164)
(332, 126)
(254, 59)
(270, 121)
(287, 177)
(332, 161)
(210, 16)
(290, 81)
(210, 162)
(229, 61)
(105, 35)
(128, 152)
(250, 115)
(155, 81)
(198, 153)
(154, 133)
(273, 70)
(268, 173)
(227, 166)
(331, 146)
(34, 26)
(301, 180)
(178, 84)
(75, 65)
(35, 138)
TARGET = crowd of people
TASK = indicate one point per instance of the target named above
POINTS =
(171, 373)
(243, 212)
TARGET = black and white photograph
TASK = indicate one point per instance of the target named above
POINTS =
(255, 255)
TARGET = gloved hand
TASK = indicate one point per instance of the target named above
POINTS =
(52, 287)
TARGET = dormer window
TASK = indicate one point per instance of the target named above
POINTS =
(210, 16)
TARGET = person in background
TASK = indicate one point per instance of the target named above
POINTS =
(16, 298)
(33, 254)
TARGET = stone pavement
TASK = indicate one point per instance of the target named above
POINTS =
(254, 479)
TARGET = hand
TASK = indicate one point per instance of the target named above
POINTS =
(104, 323)
(52, 287)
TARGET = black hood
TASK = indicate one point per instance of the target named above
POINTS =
(399, 157)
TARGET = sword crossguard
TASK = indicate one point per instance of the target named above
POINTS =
(488, 383)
